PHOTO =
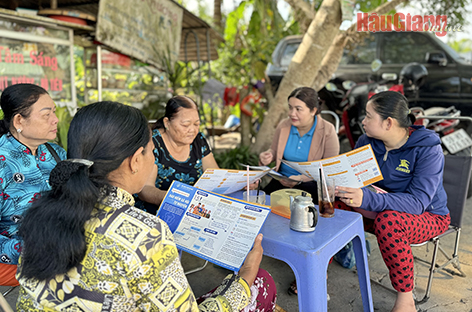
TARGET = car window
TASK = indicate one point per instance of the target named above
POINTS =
(288, 53)
(402, 48)
(361, 53)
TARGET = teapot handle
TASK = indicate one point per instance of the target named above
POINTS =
(315, 214)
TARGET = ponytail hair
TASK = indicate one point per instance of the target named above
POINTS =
(4, 126)
(101, 136)
(18, 99)
(172, 107)
(395, 105)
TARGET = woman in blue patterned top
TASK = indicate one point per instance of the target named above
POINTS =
(181, 150)
(25, 163)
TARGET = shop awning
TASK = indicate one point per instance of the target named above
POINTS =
(191, 25)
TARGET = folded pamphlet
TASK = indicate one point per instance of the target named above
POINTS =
(216, 228)
(357, 168)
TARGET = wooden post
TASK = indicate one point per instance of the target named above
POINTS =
(246, 121)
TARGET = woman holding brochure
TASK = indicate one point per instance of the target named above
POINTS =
(414, 209)
(303, 136)
(181, 151)
(87, 248)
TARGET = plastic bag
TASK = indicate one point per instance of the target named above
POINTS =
(346, 257)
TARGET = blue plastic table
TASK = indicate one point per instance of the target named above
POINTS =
(308, 254)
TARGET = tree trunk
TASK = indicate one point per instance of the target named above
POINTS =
(333, 56)
(301, 71)
(303, 13)
(217, 15)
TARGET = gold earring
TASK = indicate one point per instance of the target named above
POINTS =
(134, 171)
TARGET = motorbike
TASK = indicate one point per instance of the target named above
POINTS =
(446, 122)
(412, 77)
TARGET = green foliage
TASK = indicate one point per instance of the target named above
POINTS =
(239, 155)
(79, 63)
(203, 9)
(455, 10)
(461, 46)
(177, 72)
(249, 44)
(368, 5)
(210, 115)
(63, 125)
(156, 108)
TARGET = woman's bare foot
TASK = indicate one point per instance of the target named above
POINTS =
(404, 302)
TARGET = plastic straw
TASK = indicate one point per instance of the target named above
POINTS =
(324, 182)
(247, 188)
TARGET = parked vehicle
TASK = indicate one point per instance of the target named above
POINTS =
(449, 81)
(454, 138)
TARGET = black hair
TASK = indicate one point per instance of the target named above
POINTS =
(395, 105)
(18, 99)
(307, 95)
(53, 228)
(172, 108)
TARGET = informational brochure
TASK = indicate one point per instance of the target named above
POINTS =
(225, 181)
(271, 172)
(216, 228)
(356, 168)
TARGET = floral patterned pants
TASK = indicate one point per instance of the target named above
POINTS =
(263, 294)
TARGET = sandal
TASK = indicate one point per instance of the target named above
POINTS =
(292, 290)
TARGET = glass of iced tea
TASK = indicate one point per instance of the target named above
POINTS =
(326, 197)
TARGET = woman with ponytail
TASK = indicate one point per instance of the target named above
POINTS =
(87, 248)
(26, 159)
(414, 209)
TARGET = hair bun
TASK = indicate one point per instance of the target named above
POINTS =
(62, 172)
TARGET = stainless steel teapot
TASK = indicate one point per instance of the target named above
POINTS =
(303, 215)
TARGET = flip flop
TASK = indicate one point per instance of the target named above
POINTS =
(292, 290)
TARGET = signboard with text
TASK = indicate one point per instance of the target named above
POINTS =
(45, 64)
(146, 30)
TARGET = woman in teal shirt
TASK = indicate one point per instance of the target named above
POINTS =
(25, 163)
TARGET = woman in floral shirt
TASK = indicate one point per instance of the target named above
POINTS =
(181, 150)
(86, 248)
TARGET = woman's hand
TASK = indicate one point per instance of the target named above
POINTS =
(254, 185)
(297, 180)
(251, 265)
(266, 157)
(349, 195)
(288, 183)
